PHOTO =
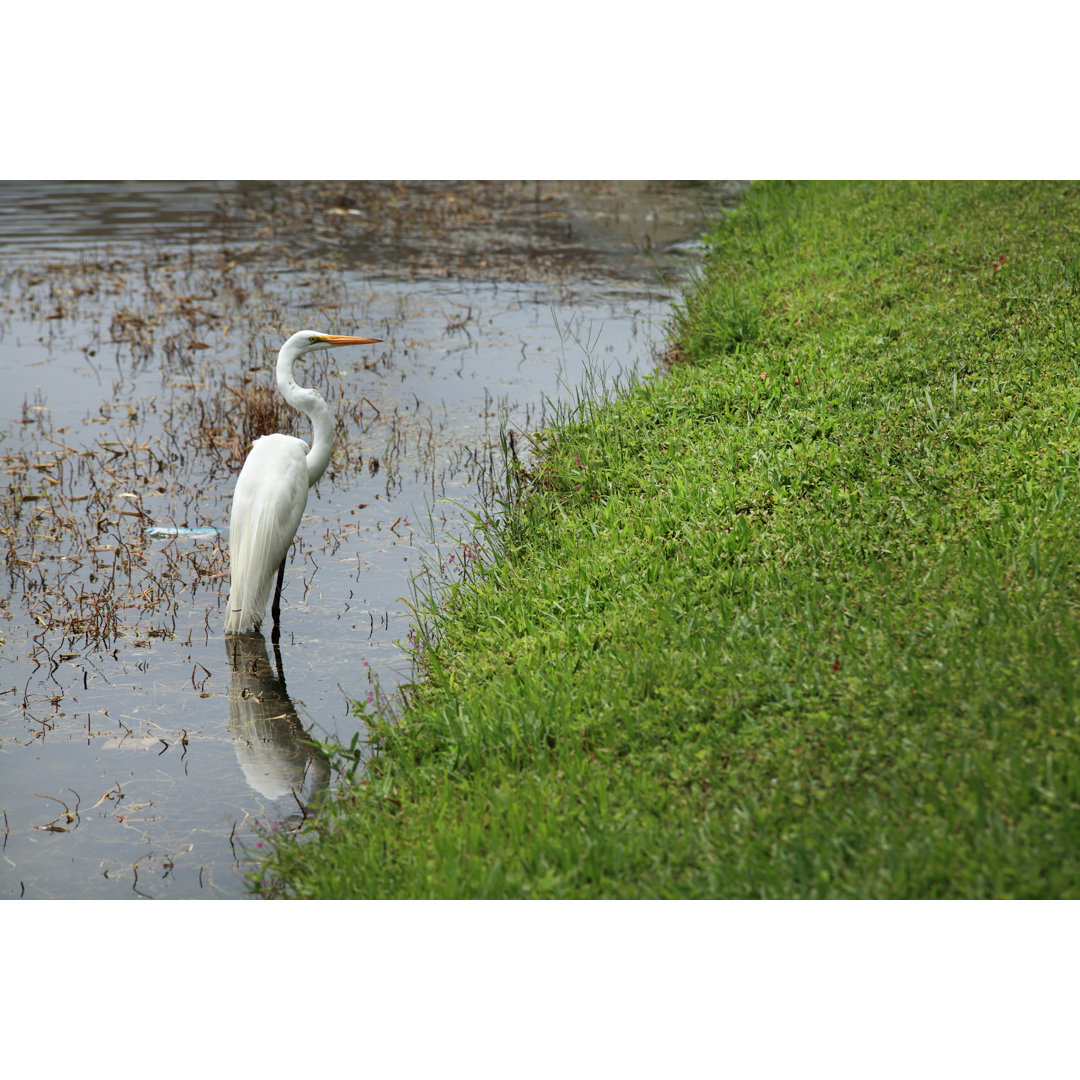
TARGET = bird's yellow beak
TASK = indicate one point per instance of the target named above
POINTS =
(338, 339)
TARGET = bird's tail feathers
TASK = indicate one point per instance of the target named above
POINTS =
(253, 570)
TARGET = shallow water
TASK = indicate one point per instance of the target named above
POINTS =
(142, 755)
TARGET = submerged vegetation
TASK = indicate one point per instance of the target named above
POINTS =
(799, 618)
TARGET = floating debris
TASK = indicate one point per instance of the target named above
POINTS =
(166, 532)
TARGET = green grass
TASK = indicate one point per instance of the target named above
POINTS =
(798, 619)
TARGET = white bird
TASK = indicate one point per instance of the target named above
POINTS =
(272, 489)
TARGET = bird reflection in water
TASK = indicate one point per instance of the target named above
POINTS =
(271, 745)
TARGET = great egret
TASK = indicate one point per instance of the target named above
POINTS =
(272, 489)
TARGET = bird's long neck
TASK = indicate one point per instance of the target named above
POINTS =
(309, 402)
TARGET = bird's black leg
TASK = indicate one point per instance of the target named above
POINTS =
(277, 664)
(275, 607)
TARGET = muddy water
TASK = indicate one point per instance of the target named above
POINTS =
(142, 755)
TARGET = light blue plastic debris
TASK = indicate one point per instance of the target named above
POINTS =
(167, 532)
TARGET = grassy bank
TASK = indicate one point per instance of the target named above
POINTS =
(798, 619)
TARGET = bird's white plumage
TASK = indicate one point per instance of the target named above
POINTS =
(268, 505)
